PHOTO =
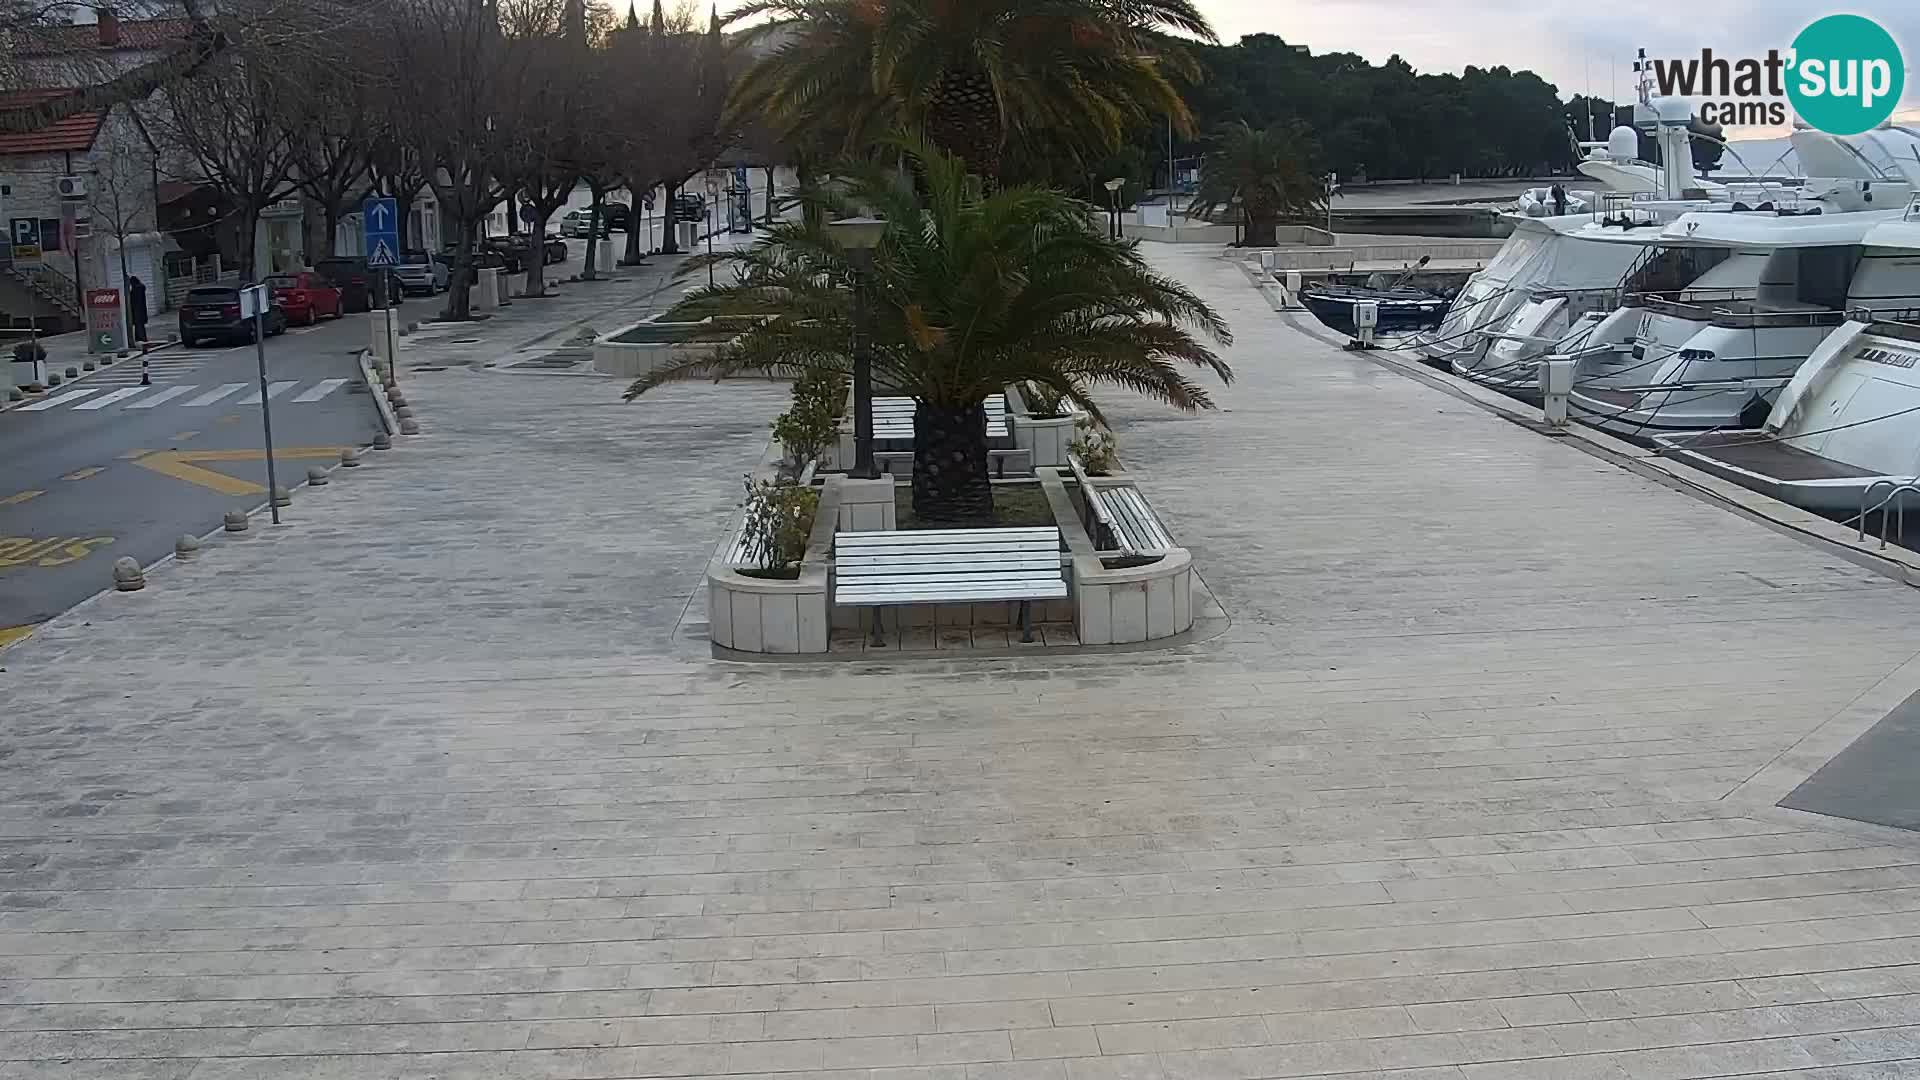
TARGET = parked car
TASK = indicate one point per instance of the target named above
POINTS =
(351, 275)
(618, 215)
(212, 312)
(576, 224)
(305, 297)
(421, 274)
(557, 250)
(688, 206)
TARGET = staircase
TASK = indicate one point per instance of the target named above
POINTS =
(51, 286)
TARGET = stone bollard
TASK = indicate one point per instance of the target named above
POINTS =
(396, 397)
(349, 458)
(186, 549)
(383, 441)
(14, 393)
(127, 576)
(403, 412)
(88, 366)
(53, 378)
(236, 521)
(282, 497)
(316, 477)
(73, 373)
(409, 426)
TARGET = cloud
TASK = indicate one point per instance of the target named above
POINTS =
(1576, 47)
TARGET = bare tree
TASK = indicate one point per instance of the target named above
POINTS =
(454, 75)
(230, 123)
(551, 119)
(330, 127)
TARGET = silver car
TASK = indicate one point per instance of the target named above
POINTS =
(421, 274)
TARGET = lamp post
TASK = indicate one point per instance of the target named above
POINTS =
(713, 215)
(859, 237)
(1113, 205)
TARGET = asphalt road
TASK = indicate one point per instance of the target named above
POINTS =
(103, 468)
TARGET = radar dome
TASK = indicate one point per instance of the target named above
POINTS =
(1670, 110)
(1623, 144)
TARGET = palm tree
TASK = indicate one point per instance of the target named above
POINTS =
(1266, 174)
(967, 74)
(969, 292)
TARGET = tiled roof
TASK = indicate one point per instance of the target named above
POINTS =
(74, 134)
(135, 34)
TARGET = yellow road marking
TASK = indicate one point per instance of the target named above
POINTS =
(179, 464)
(11, 634)
(19, 497)
(56, 551)
(228, 419)
(131, 454)
(82, 474)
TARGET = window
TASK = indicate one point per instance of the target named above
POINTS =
(50, 234)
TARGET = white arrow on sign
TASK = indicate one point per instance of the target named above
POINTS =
(380, 214)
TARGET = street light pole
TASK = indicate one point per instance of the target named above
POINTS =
(859, 237)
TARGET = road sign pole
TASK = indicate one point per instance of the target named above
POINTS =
(266, 405)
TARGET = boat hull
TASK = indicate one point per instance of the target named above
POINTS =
(1398, 314)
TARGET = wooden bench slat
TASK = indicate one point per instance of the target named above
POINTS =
(917, 537)
(912, 564)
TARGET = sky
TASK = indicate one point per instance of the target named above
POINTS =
(1577, 47)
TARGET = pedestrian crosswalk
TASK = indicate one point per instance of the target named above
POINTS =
(166, 367)
(103, 396)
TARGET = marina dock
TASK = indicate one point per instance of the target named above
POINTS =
(1472, 776)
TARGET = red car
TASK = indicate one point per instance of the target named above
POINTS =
(305, 297)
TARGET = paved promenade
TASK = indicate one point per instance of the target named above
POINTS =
(437, 780)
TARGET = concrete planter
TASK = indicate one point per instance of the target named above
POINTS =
(1122, 606)
(764, 617)
(1047, 438)
(644, 348)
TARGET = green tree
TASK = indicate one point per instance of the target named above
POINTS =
(968, 76)
(1263, 176)
(970, 292)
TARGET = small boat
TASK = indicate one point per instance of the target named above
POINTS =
(1402, 308)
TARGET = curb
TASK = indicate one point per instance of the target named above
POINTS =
(380, 403)
(118, 364)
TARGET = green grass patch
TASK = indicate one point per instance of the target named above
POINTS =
(1014, 506)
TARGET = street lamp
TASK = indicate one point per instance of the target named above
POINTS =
(1113, 205)
(859, 237)
(713, 216)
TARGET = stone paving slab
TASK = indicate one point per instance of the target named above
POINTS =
(424, 784)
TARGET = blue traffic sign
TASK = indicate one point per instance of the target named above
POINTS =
(380, 218)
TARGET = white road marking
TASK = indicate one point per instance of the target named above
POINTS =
(102, 402)
(164, 396)
(325, 387)
(215, 394)
(53, 402)
(274, 390)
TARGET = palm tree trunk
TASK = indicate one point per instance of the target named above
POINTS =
(950, 478)
(963, 118)
(1262, 231)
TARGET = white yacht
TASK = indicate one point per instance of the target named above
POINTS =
(1844, 434)
(1763, 291)
(1548, 288)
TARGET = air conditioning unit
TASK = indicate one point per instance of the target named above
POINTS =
(71, 187)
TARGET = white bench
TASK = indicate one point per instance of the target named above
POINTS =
(893, 418)
(1001, 462)
(958, 566)
(1124, 513)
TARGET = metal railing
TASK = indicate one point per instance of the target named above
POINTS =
(1896, 488)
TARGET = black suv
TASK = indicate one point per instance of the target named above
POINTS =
(351, 275)
(213, 311)
(689, 207)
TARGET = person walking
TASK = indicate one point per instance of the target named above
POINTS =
(137, 307)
